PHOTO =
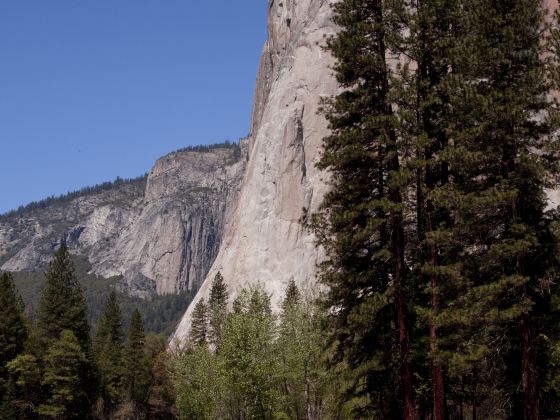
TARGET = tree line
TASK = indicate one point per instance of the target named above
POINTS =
(21, 211)
(249, 363)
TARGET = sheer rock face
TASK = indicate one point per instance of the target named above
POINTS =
(265, 241)
(161, 234)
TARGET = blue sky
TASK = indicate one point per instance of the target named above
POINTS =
(95, 89)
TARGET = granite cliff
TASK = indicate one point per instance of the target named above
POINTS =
(161, 233)
(265, 241)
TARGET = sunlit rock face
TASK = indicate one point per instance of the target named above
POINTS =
(161, 233)
(265, 241)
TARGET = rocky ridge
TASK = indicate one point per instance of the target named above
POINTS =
(161, 233)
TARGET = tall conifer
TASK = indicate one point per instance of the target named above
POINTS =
(199, 324)
(62, 306)
(138, 371)
(65, 397)
(217, 310)
(361, 222)
(108, 350)
(13, 334)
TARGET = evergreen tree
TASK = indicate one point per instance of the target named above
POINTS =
(138, 371)
(199, 324)
(108, 350)
(292, 296)
(504, 163)
(435, 31)
(13, 328)
(26, 373)
(61, 379)
(217, 310)
(62, 306)
(361, 222)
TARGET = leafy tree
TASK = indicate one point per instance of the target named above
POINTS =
(247, 355)
(65, 396)
(292, 297)
(108, 349)
(199, 324)
(217, 309)
(200, 384)
(138, 370)
(303, 377)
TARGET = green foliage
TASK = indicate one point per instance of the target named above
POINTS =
(360, 222)
(440, 249)
(206, 148)
(248, 354)
(26, 375)
(303, 377)
(200, 385)
(264, 368)
(161, 398)
(61, 379)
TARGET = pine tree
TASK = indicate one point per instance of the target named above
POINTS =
(61, 378)
(217, 310)
(26, 372)
(138, 371)
(292, 296)
(199, 324)
(13, 327)
(432, 44)
(483, 163)
(361, 222)
(507, 128)
(62, 306)
(108, 350)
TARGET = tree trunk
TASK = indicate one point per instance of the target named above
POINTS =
(531, 403)
(396, 229)
(437, 374)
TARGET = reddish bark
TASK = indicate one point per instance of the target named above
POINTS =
(531, 403)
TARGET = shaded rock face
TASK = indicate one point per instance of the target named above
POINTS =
(265, 241)
(161, 233)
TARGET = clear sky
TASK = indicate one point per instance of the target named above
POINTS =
(95, 89)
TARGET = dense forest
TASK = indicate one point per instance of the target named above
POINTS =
(440, 295)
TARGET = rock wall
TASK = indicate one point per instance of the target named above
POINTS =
(161, 234)
(265, 241)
